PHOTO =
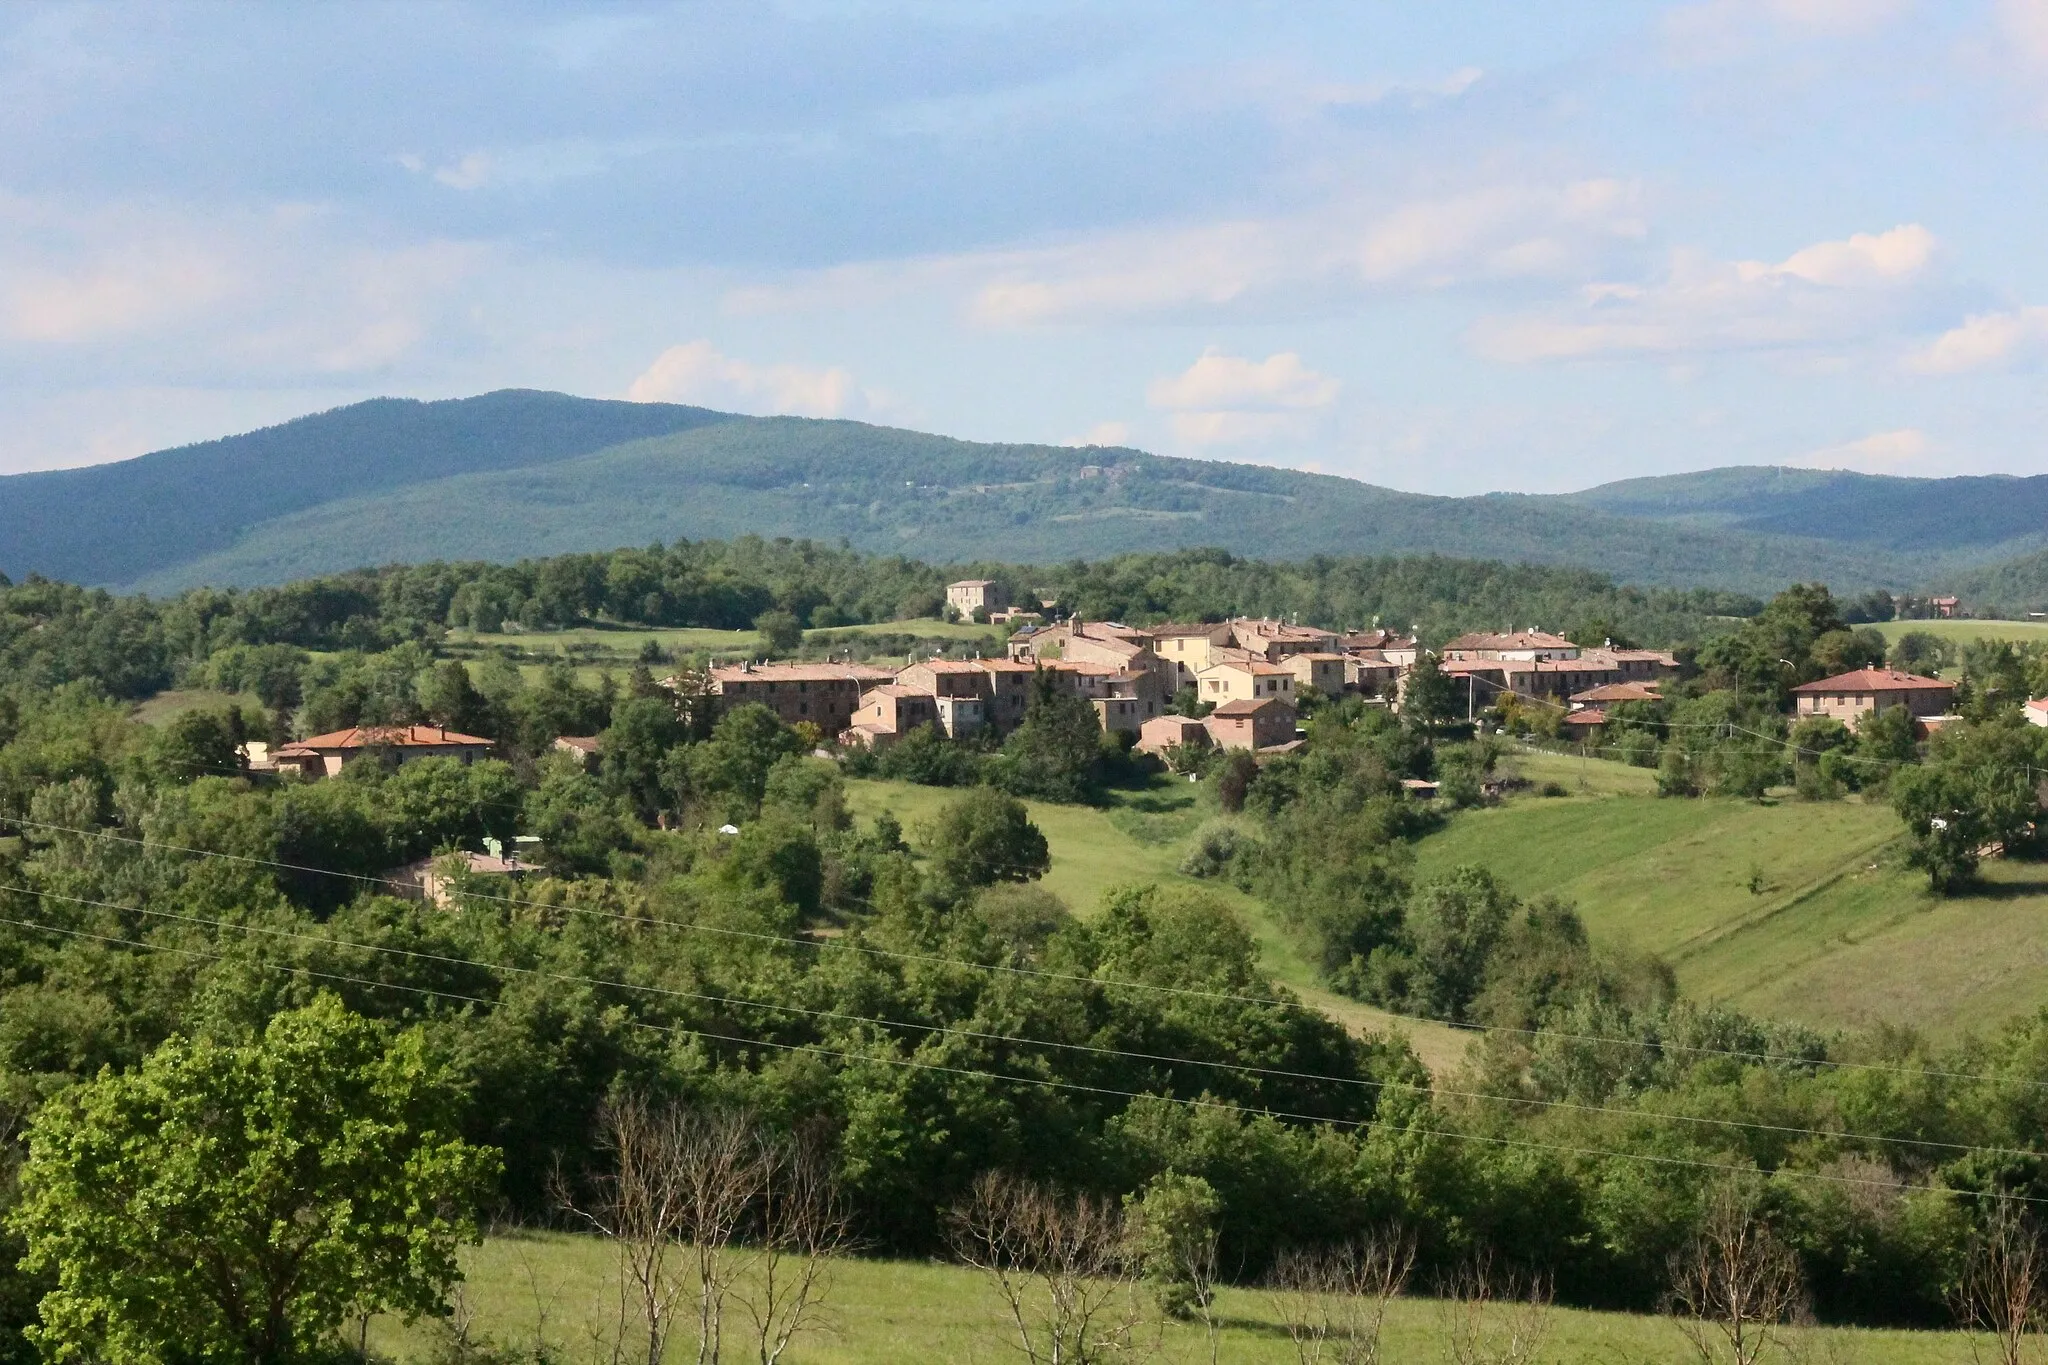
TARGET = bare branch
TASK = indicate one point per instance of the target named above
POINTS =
(1737, 1284)
(2003, 1284)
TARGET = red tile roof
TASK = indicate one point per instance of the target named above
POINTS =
(1249, 707)
(798, 673)
(1875, 680)
(388, 737)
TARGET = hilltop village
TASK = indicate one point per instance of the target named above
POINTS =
(1232, 684)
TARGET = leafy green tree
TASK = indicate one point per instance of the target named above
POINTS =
(1174, 1231)
(927, 757)
(1977, 787)
(1918, 651)
(449, 698)
(644, 731)
(983, 837)
(1056, 753)
(431, 803)
(728, 773)
(199, 744)
(1430, 699)
(579, 824)
(1454, 922)
(234, 1202)
(781, 632)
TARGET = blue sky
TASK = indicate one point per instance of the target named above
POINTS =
(1449, 248)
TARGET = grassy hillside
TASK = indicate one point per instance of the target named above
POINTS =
(1142, 837)
(554, 1288)
(1835, 933)
(1964, 631)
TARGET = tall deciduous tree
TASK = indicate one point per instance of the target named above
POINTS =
(236, 1202)
(984, 837)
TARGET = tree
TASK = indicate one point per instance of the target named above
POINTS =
(449, 698)
(1056, 752)
(1062, 1268)
(234, 1202)
(643, 732)
(781, 632)
(983, 837)
(2004, 1282)
(729, 771)
(1174, 1236)
(1976, 789)
(1430, 699)
(1737, 1283)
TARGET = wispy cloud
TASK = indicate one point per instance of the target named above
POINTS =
(1829, 293)
(1884, 452)
(697, 372)
(1985, 340)
(1231, 400)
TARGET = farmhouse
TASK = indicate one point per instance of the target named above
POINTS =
(1245, 679)
(324, 755)
(1849, 697)
(887, 713)
(1249, 724)
(1520, 646)
(826, 695)
(1325, 672)
(971, 595)
(1166, 732)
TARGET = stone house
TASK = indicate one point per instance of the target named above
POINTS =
(1245, 679)
(1251, 724)
(324, 755)
(1849, 697)
(826, 695)
(971, 595)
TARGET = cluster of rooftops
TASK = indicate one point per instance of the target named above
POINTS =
(1251, 671)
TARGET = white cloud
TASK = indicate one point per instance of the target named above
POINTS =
(472, 171)
(1103, 434)
(1230, 400)
(1863, 259)
(1216, 380)
(1830, 293)
(1714, 30)
(1499, 232)
(1884, 452)
(127, 289)
(1311, 261)
(2024, 25)
(696, 372)
(1984, 339)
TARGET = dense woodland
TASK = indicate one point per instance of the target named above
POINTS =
(171, 928)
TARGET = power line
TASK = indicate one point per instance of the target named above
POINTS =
(979, 1035)
(931, 959)
(1074, 1086)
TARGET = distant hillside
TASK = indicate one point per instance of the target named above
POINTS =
(1972, 519)
(517, 474)
(118, 523)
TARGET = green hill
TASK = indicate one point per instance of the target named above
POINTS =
(1838, 933)
(515, 474)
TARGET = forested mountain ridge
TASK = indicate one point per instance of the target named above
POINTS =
(519, 474)
(115, 523)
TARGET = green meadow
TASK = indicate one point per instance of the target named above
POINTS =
(1964, 631)
(526, 1290)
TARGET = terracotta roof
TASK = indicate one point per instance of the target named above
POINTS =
(972, 583)
(1520, 639)
(798, 673)
(1874, 680)
(896, 690)
(2037, 704)
(1254, 666)
(1004, 666)
(1173, 629)
(586, 744)
(1621, 691)
(387, 737)
(1592, 715)
(1081, 666)
(1248, 706)
(944, 666)
(1318, 654)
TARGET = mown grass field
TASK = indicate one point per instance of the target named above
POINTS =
(1793, 910)
(1961, 631)
(558, 1289)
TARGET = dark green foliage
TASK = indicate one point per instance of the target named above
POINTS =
(727, 775)
(1430, 698)
(983, 837)
(1979, 786)
(781, 632)
(1056, 753)
(927, 757)
(1919, 652)
(635, 753)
